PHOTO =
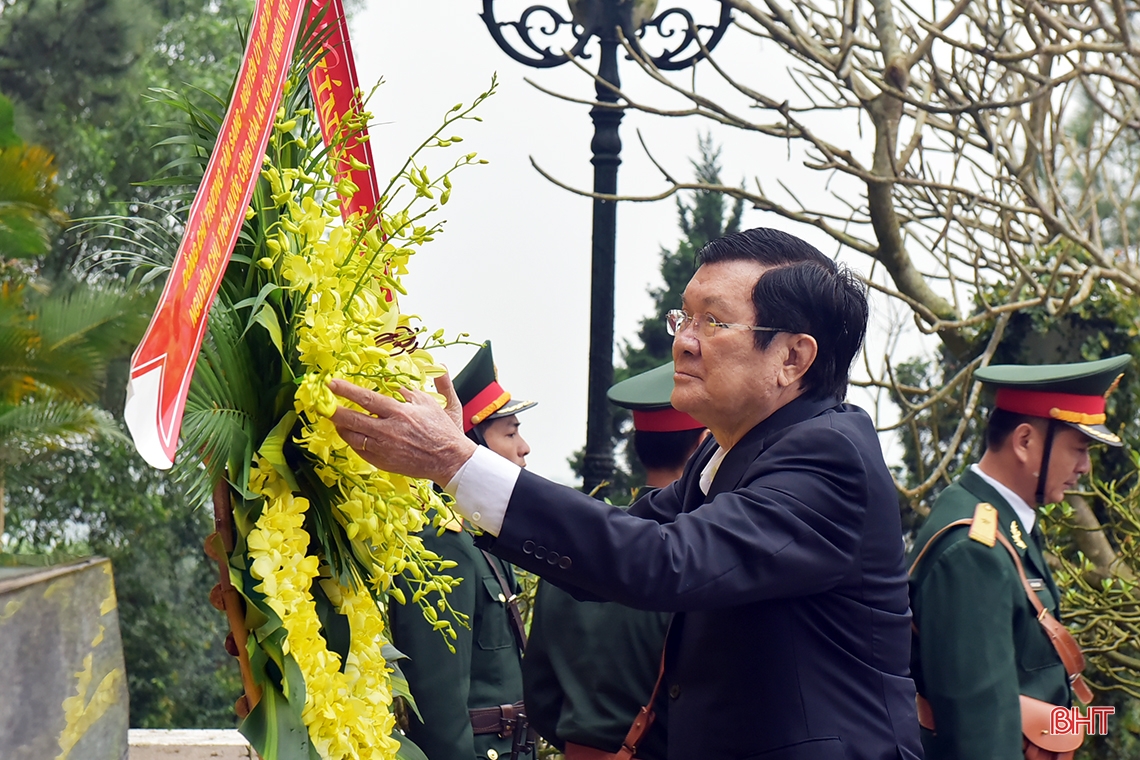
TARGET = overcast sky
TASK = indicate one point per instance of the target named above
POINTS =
(513, 264)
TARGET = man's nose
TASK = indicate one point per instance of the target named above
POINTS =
(685, 342)
(524, 447)
(1085, 464)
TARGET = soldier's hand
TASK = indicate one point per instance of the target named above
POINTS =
(414, 437)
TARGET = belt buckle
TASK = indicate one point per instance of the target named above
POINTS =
(508, 717)
(524, 740)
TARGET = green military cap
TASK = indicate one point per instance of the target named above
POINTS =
(477, 386)
(1074, 394)
(647, 396)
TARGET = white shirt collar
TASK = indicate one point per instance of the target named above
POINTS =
(709, 472)
(1025, 513)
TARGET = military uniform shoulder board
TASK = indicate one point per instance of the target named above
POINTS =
(985, 524)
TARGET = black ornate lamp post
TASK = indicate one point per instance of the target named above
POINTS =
(609, 21)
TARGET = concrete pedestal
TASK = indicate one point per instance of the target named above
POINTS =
(63, 686)
(189, 744)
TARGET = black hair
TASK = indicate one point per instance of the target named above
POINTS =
(665, 450)
(478, 433)
(1001, 424)
(803, 291)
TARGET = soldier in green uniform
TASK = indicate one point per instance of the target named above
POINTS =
(471, 700)
(590, 666)
(980, 643)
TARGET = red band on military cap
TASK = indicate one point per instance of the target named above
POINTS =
(1069, 407)
(663, 420)
(486, 402)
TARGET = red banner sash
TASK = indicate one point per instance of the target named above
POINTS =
(335, 85)
(163, 364)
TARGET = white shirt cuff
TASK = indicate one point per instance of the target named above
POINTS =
(482, 489)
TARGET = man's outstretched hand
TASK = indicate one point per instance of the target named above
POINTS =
(413, 437)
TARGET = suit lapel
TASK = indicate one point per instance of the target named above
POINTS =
(693, 495)
(741, 456)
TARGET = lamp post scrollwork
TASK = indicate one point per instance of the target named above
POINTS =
(609, 21)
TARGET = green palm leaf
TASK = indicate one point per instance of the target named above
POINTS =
(28, 214)
(64, 339)
(46, 422)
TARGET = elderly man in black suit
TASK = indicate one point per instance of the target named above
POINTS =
(780, 548)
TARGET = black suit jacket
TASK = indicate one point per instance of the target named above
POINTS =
(792, 637)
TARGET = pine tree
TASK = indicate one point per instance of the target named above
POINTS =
(705, 217)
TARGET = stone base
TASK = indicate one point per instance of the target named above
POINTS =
(63, 686)
(189, 744)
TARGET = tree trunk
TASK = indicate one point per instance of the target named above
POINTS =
(1090, 539)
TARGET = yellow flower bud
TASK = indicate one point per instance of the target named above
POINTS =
(346, 188)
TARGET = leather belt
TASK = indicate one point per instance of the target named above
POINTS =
(500, 720)
(925, 712)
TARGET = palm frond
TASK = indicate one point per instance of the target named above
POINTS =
(64, 338)
(49, 421)
(228, 408)
(28, 212)
(143, 244)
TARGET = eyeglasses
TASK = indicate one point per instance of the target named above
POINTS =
(678, 319)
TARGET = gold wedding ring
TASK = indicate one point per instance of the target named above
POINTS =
(365, 446)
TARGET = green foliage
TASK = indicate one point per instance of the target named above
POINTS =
(28, 214)
(55, 348)
(48, 422)
(103, 499)
(706, 217)
(1123, 739)
(8, 136)
(79, 72)
(64, 337)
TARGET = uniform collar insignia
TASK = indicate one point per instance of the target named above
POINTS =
(1015, 534)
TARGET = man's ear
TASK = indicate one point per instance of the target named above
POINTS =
(800, 352)
(1021, 440)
